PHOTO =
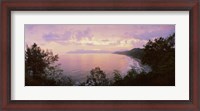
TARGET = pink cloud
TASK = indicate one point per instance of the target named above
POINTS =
(105, 37)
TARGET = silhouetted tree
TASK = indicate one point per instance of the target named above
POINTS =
(65, 81)
(159, 51)
(40, 68)
(160, 55)
(117, 76)
(97, 78)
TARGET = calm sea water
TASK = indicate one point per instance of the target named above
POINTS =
(78, 66)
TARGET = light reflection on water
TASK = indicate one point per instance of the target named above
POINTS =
(78, 66)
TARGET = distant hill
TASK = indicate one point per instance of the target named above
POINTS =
(135, 53)
(87, 51)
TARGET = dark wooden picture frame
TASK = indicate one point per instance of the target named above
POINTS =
(7, 6)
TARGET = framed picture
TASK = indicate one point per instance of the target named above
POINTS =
(100, 55)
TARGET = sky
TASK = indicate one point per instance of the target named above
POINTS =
(93, 38)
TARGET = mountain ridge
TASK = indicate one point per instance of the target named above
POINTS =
(134, 53)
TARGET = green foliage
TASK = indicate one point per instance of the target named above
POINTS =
(97, 78)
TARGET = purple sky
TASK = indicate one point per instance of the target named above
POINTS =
(95, 38)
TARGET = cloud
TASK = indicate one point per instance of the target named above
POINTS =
(67, 34)
(69, 37)
(105, 40)
(83, 34)
(90, 44)
(116, 42)
(51, 37)
(147, 33)
(57, 37)
(29, 26)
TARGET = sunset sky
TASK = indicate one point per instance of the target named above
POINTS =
(69, 38)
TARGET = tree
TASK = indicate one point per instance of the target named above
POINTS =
(160, 55)
(159, 52)
(97, 78)
(39, 66)
(65, 81)
(117, 76)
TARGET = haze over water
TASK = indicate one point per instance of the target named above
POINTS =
(78, 66)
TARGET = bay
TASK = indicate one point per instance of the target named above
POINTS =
(78, 66)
